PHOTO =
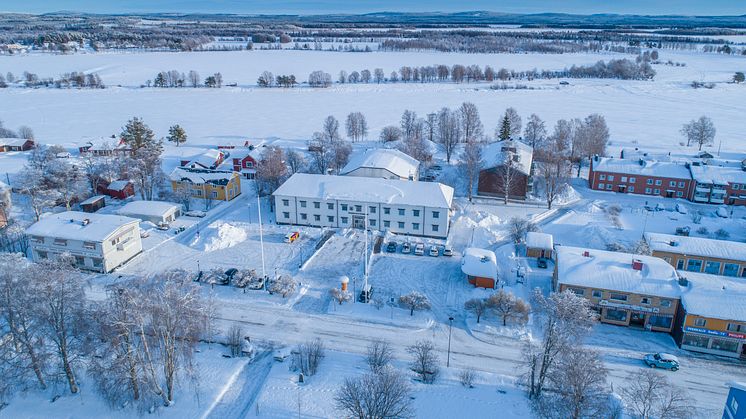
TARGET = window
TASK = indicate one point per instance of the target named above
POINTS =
(695, 340)
(672, 183)
(598, 294)
(648, 191)
(372, 210)
(317, 205)
(330, 218)
(401, 211)
(416, 213)
(679, 194)
(344, 207)
(401, 224)
(79, 261)
(735, 186)
(700, 322)
(303, 216)
(658, 182)
(436, 214)
(285, 202)
(415, 226)
(601, 186)
(650, 181)
(712, 267)
(666, 303)
(89, 245)
(663, 322)
(97, 262)
(615, 315)
(609, 186)
(42, 255)
(60, 242)
(680, 264)
(631, 189)
(302, 204)
(681, 184)
(344, 220)
(316, 217)
(286, 215)
(330, 206)
(577, 291)
(372, 223)
(358, 208)
(435, 227)
(214, 194)
(386, 210)
(387, 224)
(601, 177)
(724, 345)
(735, 327)
(657, 191)
(610, 178)
(37, 239)
(645, 300)
(632, 180)
(731, 269)
(694, 265)
(624, 178)
(618, 297)
(733, 404)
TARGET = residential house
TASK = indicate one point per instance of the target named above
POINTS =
(245, 160)
(510, 161)
(713, 315)
(119, 189)
(209, 159)
(98, 242)
(207, 184)
(735, 404)
(104, 147)
(157, 212)
(383, 163)
(16, 144)
(721, 184)
(398, 206)
(642, 177)
(625, 289)
(699, 254)
(480, 267)
(93, 203)
(539, 245)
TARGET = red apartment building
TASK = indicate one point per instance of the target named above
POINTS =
(642, 177)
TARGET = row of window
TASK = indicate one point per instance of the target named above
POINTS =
(62, 242)
(358, 208)
(615, 315)
(346, 220)
(617, 296)
(649, 181)
(710, 267)
(732, 327)
(711, 343)
(631, 189)
(79, 260)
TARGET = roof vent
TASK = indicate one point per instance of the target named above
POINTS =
(642, 162)
(86, 221)
(637, 264)
(586, 254)
(673, 243)
(484, 259)
(683, 281)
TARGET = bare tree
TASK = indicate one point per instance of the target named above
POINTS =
(515, 122)
(295, 161)
(194, 79)
(339, 295)
(415, 301)
(376, 396)
(591, 136)
(508, 307)
(510, 172)
(235, 339)
(553, 167)
(478, 306)
(424, 361)
(380, 354)
(471, 163)
(308, 356)
(535, 132)
(471, 124)
(319, 79)
(408, 124)
(467, 377)
(649, 394)
(390, 133)
(145, 168)
(271, 170)
(357, 126)
(365, 76)
(701, 132)
(25, 132)
(266, 79)
(519, 227)
(378, 75)
(67, 180)
(342, 77)
(448, 131)
(284, 285)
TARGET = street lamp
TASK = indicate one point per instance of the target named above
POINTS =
(450, 327)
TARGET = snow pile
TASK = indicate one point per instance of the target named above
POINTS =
(483, 229)
(220, 235)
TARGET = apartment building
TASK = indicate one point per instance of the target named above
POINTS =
(398, 206)
(98, 242)
(719, 184)
(641, 176)
(217, 185)
(625, 289)
(698, 254)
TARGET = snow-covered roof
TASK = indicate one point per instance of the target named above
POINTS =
(389, 159)
(696, 246)
(201, 176)
(538, 240)
(493, 155)
(148, 208)
(92, 199)
(364, 189)
(242, 152)
(641, 167)
(741, 385)
(118, 185)
(479, 262)
(714, 296)
(13, 142)
(718, 175)
(614, 271)
(206, 159)
(70, 225)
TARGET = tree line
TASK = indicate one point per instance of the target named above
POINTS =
(75, 79)
(175, 78)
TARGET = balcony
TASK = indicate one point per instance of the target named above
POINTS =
(701, 198)
(703, 189)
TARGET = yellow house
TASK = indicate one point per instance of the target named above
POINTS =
(713, 315)
(698, 254)
(207, 184)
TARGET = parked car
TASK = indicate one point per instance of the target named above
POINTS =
(62, 155)
(564, 83)
(434, 251)
(391, 247)
(144, 234)
(198, 214)
(448, 251)
(406, 248)
(366, 294)
(291, 237)
(162, 226)
(722, 212)
(230, 273)
(683, 231)
(662, 360)
(419, 249)
(436, 167)
(542, 263)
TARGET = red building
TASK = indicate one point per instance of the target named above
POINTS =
(120, 189)
(16, 144)
(642, 177)
(245, 161)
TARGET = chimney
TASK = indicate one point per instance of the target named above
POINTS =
(637, 264)
(86, 221)
(586, 254)
(683, 281)
(642, 162)
(673, 243)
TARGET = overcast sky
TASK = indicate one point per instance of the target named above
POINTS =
(654, 7)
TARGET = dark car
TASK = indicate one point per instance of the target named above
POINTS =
(391, 247)
(542, 263)
(229, 274)
(365, 294)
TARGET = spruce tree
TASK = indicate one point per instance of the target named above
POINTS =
(504, 128)
(136, 134)
(176, 134)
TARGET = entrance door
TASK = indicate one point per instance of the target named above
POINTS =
(358, 221)
(637, 320)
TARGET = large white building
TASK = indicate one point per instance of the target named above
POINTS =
(98, 242)
(383, 163)
(398, 206)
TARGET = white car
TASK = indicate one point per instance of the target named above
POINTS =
(198, 214)
(448, 250)
(434, 251)
(419, 249)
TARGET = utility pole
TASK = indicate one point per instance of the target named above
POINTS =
(450, 327)
(261, 235)
(365, 282)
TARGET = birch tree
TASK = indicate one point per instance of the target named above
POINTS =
(448, 131)
(471, 124)
(535, 132)
(700, 131)
(471, 163)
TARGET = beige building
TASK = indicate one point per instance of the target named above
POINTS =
(697, 254)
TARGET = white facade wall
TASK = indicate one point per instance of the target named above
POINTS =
(117, 249)
(396, 218)
(379, 173)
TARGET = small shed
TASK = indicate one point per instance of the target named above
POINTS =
(539, 245)
(120, 189)
(93, 203)
(480, 267)
(154, 211)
